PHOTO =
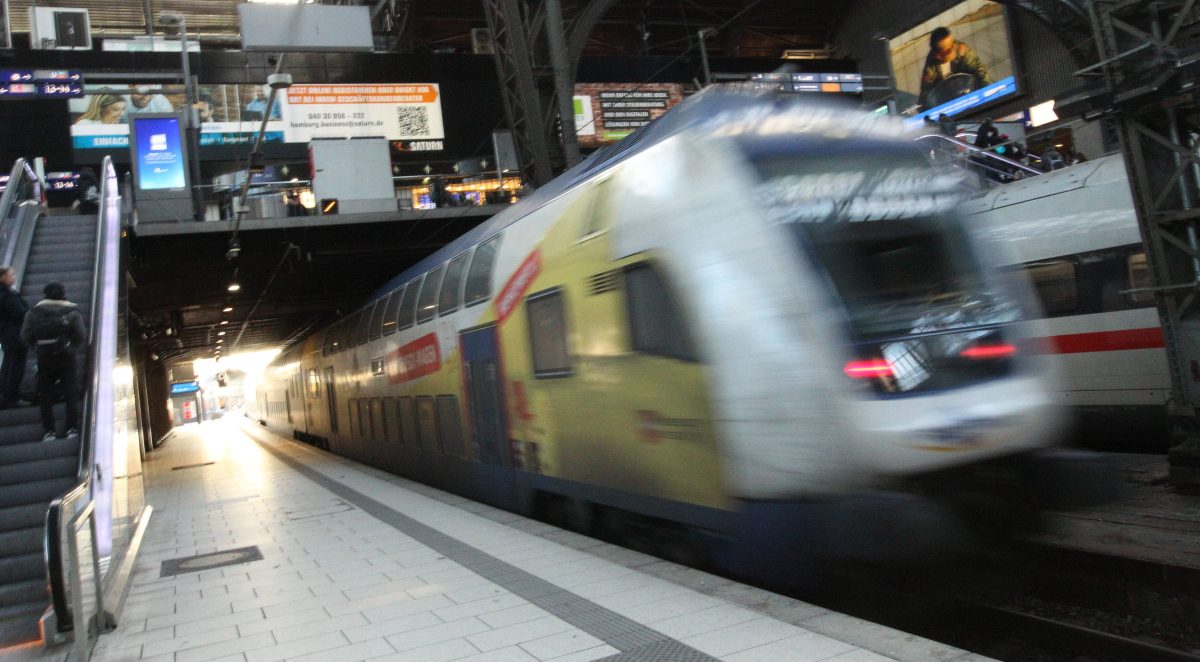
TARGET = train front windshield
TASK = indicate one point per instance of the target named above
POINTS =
(920, 312)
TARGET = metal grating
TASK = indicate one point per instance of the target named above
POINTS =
(203, 562)
(608, 281)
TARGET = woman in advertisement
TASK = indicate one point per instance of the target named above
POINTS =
(104, 109)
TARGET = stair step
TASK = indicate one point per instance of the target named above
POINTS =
(39, 450)
(38, 470)
(19, 623)
(24, 433)
(22, 541)
(78, 274)
(30, 592)
(23, 568)
(18, 415)
(23, 517)
(43, 491)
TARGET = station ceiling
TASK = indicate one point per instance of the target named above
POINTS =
(749, 28)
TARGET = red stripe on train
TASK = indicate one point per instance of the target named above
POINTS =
(1098, 341)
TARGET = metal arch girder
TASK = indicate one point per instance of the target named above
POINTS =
(582, 27)
(1068, 19)
(514, 66)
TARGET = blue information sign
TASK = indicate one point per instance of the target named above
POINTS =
(180, 388)
(159, 153)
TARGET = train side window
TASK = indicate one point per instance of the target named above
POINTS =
(479, 277)
(378, 423)
(1056, 285)
(408, 306)
(364, 326)
(364, 417)
(391, 426)
(548, 334)
(350, 330)
(450, 424)
(427, 432)
(427, 302)
(1139, 278)
(389, 313)
(654, 321)
(376, 328)
(451, 285)
(599, 204)
(407, 413)
(354, 431)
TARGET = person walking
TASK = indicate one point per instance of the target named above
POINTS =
(55, 327)
(12, 315)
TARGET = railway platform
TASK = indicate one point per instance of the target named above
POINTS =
(1151, 522)
(261, 548)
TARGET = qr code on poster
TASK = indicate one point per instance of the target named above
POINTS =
(413, 120)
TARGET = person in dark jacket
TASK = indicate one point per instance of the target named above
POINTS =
(55, 327)
(12, 315)
(88, 191)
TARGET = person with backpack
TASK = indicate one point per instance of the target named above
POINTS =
(55, 327)
(88, 195)
(12, 315)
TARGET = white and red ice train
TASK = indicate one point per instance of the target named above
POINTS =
(1075, 232)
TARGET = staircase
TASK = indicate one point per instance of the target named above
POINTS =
(32, 472)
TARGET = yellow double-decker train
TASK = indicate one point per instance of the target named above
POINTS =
(756, 324)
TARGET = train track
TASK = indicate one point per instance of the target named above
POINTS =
(1072, 639)
(1036, 604)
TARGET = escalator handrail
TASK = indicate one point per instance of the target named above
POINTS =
(21, 173)
(95, 399)
(977, 151)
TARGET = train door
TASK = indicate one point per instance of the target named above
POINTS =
(331, 399)
(485, 402)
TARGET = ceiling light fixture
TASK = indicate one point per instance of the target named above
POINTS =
(220, 333)
(224, 322)
(234, 287)
(228, 309)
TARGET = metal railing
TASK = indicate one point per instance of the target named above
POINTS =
(65, 514)
(991, 166)
(23, 194)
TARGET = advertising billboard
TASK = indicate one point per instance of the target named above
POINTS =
(607, 112)
(956, 61)
(410, 114)
(160, 160)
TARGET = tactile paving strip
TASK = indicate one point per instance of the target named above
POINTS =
(634, 640)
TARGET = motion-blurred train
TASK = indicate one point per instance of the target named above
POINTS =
(1075, 232)
(756, 323)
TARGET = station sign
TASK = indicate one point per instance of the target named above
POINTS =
(181, 388)
(40, 84)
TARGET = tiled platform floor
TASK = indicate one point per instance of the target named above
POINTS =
(426, 576)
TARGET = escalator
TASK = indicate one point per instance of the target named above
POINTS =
(46, 487)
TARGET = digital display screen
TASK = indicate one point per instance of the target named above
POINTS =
(159, 153)
(409, 114)
(41, 83)
(956, 61)
(607, 112)
(178, 388)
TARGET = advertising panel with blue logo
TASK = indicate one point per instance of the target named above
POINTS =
(160, 157)
(955, 62)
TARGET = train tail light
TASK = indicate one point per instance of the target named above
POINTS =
(868, 369)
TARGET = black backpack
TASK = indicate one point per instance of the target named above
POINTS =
(52, 333)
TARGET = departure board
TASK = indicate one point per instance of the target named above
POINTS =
(838, 83)
(40, 84)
